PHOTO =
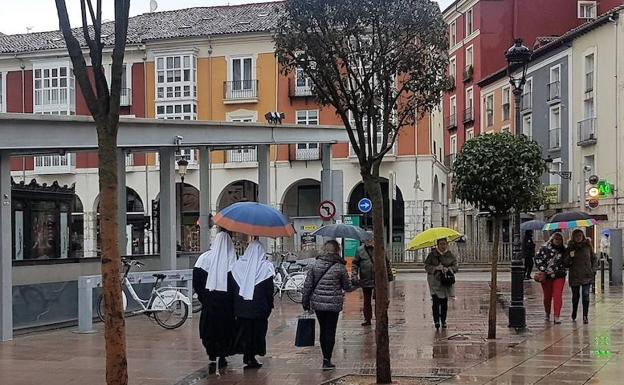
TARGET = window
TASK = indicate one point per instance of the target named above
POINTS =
(303, 84)
(527, 125)
(177, 111)
(586, 9)
(2, 109)
(489, 110)
(54, 89)
(554, 87)
(245, 154)
(126, 81)
(469, 134)
(453, 144)
(506, 103)
(554, 176)
(175, 77)
(469, 22)
(241, 84)
(453, 33)
(589, 73)
(452, 121)
(555, 127)
(453, 69)
(527, 95)
(469, 57)
(307, 151)
(469, 103)
(379, 137)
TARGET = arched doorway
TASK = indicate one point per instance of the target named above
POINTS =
(239, 191)
(300, 204)
(398, 212)
(135, 223)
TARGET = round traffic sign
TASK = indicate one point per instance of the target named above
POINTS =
(365, 205)
(327, 210)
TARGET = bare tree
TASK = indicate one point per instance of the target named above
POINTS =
(104, 107)
(381, 65)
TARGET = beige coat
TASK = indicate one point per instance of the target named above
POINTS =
(433, 277)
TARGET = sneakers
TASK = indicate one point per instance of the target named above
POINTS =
(327, 365)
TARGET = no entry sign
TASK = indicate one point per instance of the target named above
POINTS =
(327, 210)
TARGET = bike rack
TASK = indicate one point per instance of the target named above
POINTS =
(87, 283)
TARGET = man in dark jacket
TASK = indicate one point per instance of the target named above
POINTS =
(323, 292)
(363, 272)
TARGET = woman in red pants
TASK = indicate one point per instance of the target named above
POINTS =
(550, 262)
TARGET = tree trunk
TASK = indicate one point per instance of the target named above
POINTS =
(384, 371)
(493, 281)
(114, 326)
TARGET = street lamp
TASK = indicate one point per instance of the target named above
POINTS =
(182, 167)
(518, 57)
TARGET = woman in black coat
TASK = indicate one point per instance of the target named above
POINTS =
(210, 282)
(528, 250)
(251, 281)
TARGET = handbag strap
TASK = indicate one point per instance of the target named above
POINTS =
(322, 275)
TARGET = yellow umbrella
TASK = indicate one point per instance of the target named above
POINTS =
(428, 238)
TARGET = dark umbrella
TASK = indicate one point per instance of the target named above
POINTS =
(535, 224)
(340, 230)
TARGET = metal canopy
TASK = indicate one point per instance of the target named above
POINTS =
(28, 133)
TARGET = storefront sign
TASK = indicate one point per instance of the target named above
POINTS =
(309, 228)
(552, 194)
(308, 241)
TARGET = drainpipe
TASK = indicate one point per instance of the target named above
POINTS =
(22, 68)
(617, 137)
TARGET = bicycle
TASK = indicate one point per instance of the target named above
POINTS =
(167, 304)
(289, 280)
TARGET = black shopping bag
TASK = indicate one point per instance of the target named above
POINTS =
(305, 331)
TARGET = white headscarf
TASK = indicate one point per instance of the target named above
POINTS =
(218, 261)
(251, 269)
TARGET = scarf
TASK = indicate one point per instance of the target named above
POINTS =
(218, 261)
(251, 269)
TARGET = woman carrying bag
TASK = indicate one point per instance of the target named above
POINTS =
(323, 292)
(550, 262)
(441, 266)
(582, 262)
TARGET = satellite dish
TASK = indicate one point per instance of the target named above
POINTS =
(153, 5)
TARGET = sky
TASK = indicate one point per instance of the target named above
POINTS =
(40, 15)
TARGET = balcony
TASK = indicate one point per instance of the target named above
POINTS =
(587, 132)
(55, 164)
(527, 101)
(449, 160)
(554, 139)
(468, 116)
(468, 72)
(554, 92)
(307, 151)
(240, 91)
(242, 155)
(125, 97)
(299, 89)
(451, 83)
(451, 121)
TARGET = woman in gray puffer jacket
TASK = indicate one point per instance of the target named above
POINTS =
(323, 292)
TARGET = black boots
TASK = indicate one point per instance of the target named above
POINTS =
(327, 364)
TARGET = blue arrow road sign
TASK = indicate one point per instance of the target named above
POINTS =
(365, 205)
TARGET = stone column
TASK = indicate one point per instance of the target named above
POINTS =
(168, 225)
(6, 251)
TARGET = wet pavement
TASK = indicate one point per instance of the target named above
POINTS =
(544, 354)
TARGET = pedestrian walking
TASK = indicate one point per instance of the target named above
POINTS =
(528, 250)
(604, 246)
(210, 282)
(363, 275)
(441, 266)
(550, 263)
(582, 262)
(323, 292)
(251, 281)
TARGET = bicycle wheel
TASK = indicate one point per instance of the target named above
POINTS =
(173, 316)
(197, 306)
(296, 295)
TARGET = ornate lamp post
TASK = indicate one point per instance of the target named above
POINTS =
(182, 167)
(518, 57)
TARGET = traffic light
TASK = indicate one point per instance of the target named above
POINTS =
(593, 191)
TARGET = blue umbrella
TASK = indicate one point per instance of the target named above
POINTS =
(535, 224)
(254, 219)
(340, 230)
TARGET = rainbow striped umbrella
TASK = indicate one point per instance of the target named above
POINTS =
(569, 220)
(254, 219)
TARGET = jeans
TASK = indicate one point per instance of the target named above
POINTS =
(528, 266)
(367, 293)
(328, 321)
(440, 308)
(576, 294)
(553, 293)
